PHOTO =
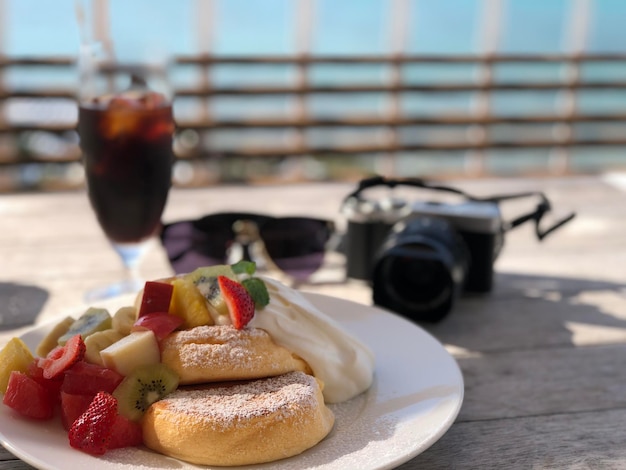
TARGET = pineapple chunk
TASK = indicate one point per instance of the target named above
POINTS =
(189, 304)
(14, 356)
(137, 349)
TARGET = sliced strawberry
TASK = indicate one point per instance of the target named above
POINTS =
(240, 303)
(62, 358)
(27, 397)
(91, 432)
(126, 433)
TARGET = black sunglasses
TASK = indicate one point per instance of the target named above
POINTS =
(295, 245)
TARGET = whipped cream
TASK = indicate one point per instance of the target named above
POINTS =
(343, 363)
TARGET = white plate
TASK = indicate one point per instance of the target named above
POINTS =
(416, 396)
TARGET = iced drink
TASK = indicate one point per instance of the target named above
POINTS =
(126, 141)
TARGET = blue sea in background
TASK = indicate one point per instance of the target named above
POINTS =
(340, 27)
(33, 27)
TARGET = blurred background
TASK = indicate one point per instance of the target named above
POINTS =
(315, 90)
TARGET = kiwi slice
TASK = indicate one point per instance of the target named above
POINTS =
(94, 319)
(205, 279)
(144, 386)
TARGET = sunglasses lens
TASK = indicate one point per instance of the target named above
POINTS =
(190, 245)
(296, 245)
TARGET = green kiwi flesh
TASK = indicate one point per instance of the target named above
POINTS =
(205, 279)
(144, 386)
(93, 320)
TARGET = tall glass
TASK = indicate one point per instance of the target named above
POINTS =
(126, 126)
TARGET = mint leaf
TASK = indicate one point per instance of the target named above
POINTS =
(244, 267)
(258, 291)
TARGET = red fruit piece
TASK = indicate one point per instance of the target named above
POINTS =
(72, 406)
(27, 397)
(162, 324)
(91, 432)
(156, 298)
(62, 358)
(239, 302)
(84, 378)
(126, 433)
(52, 386)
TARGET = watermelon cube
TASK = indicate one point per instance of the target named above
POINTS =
(28, 397)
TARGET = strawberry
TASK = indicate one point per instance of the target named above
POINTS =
(91, 432)
(239, 302)
(62, 358)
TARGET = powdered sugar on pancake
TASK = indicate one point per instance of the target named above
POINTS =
(224, 344)
(235, 404)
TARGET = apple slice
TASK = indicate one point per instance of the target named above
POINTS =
(162, 324)
(137, 349)
(156, 298)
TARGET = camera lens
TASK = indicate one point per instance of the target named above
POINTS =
(418, 282)
(420, 269)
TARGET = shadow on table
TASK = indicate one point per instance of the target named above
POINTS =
(20, 304)
(523, 316)
(525, 311)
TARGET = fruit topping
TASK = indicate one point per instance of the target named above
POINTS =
(205, 279)
(91, 432)
(15, 356)
(28, 397)
(156, 298)
(96, 342)
(62, 358)
(94, 319)
(72, 406)
(254, 285)
(126, 433)
(51, 340)
(124, 319)
(52, 386)
(189, 304)
(143, 387)
(88, 379)
(240, 303)
(137, 349)
(161, 324)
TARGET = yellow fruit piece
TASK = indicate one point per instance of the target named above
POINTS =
(189, 304)
(51, 340)
(96, 342)
(124, 319)
(14, 356)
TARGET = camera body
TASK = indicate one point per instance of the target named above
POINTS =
(420, 256)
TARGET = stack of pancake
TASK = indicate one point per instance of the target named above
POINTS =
(243, 400)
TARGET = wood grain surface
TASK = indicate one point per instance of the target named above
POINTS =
(542, 355)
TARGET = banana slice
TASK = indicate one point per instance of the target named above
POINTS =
(51, 340)
(96, 342)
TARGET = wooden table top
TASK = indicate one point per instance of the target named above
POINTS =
(542, 355)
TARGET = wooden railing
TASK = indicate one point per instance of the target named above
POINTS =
(391, 120)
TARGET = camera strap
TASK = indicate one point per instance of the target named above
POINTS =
(537, 215)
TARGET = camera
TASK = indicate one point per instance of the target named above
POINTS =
(421, 256)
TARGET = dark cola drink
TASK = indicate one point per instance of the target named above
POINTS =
(126, 142)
